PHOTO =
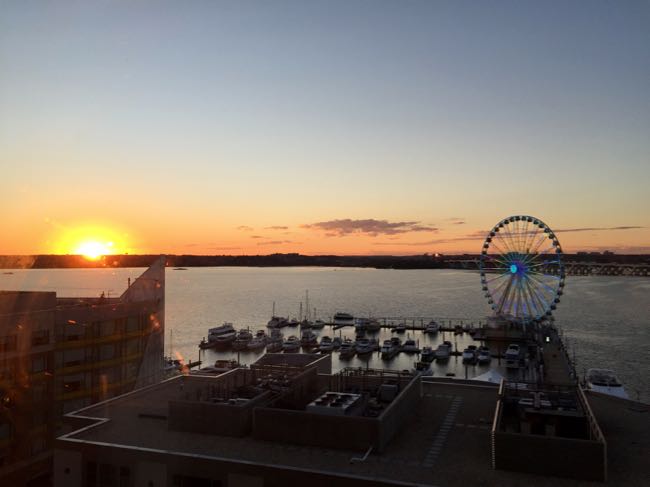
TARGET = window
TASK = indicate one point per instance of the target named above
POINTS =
(39, 363)
(38, 445)
(7, 343)
(106, 328)
(132, 324)
(5, 431)
(72, 385)
(125, 477)
(40, 337)
(91, 474)
(107, 352)
(107, 475)
(74, 357)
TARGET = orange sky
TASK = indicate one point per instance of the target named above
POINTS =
(198, 128)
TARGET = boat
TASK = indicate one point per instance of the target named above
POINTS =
(432, 328)
(364, 346)
(410, 346)
(318, 324)
(458, 330)
(389, 350)
(326, 344)
(484, 356)
(180, 268)
(305, 324)
(262, 334)
(291, 344)
(605, 382)
(274, 345)
(427, 354)
(277, 322)
(423, 369)
(443, 352)
(219, 337)
(400, 328)
(242, 340)
(360, 324)
(257, 343)
(343, 319)
(308, 339)
(373, 325)
(513, 356)
(293, 322)
(397, 342)
(336, 343)
(347, 349)
(469, 354)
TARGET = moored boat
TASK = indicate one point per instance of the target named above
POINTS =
(484, 355)
(443, 352)
(469, 354)
(389, 350)
(343, 319)
(423, 369)
(605, 382)
(427, 354)
(291, 344)
(347, 349)
(432, 327)
(410, 346)
(326, 344)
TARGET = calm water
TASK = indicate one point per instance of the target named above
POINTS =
(604, 319)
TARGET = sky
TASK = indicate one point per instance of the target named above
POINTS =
(347, 127)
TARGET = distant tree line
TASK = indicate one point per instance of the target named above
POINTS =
(425, 261)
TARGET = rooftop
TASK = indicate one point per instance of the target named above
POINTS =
(445, 440)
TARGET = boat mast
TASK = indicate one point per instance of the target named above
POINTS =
(307, 303)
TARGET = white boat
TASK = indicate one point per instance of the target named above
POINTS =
(347, 349)
(308, 339)
(277, 322)
(410, 346)
(443, 352)
(513, 356)
(257, 343)
(221, 366)
(343, 319)
(605, 382)
(389, 350)
(291, 344)
(427, 354)
(242, 340)
(336, 343)
(469, 354)
(423, 369)
(484, 355)
(432, 328)
(225, 329)
(326, 344)
(364, 346)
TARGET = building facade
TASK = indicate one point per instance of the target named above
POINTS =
(61, 354)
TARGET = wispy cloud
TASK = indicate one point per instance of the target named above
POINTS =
(457, 220)
(276, 227)
(257, 236)
(596, 229)
(245, 228)
(371, 227)
(224, 248)
(276, 242)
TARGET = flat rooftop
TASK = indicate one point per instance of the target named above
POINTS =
(446, 441)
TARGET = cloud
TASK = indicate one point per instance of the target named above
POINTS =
(224, 248)
(596, 229)
(459, 222)
(276, 227)
(275, 242)
(372, 227)
(245, 228)
(257, 236)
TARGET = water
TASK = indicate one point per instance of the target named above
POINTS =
(604, 319)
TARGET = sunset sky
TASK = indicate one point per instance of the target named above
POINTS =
(351, 127)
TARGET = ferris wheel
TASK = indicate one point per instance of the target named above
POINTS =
(522, 274)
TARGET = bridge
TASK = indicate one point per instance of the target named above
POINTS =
(572, 268)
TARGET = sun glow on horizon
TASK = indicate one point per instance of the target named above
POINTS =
(93, 250)
(91, 241)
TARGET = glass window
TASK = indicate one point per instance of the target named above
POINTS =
(40, 337)
(38, 363)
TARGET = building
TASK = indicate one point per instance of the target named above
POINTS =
(287, 422)
(61, 354)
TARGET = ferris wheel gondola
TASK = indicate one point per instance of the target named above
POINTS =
(522, 274)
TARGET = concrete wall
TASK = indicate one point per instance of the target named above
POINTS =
(562, 457)
(216, 419)
(395, 415)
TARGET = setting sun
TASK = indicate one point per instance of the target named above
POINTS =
(93, 250)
